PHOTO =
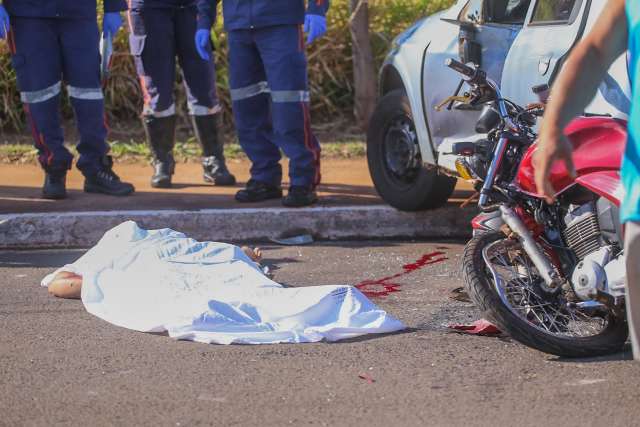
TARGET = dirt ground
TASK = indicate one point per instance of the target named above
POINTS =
(345, 182)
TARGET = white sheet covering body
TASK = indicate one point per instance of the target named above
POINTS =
(161, 280)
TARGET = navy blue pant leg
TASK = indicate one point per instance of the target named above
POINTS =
(48, 51)
(282, 50)
(79, 39)
(199, 75)
(37, 61)
(152, 44)
(157, 37)
(252, 107)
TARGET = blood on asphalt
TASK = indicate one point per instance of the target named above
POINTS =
(388, 285)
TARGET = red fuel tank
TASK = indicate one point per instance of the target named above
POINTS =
(598, 144)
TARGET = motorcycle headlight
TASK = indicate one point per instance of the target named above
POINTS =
(489, 119)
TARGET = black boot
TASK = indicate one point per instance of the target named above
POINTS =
(213, 162)
(55, 180)
(299, 197)
(105, 181)
(161, 136)
(257, 191)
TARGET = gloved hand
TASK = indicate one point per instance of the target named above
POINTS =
(4, 22)
(111, 24)
(315, 26)
(203, 39)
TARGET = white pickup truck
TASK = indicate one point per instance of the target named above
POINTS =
(519, 43)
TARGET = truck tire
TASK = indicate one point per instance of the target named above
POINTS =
(395, 162)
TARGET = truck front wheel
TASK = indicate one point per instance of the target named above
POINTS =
(395, 162)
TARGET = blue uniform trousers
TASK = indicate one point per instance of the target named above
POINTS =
(46, 52)
(158, 36)
(269, 89)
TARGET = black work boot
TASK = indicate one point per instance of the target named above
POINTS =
(213, 163)
(105, 181)
(257, 191)
(300, 196)
(54, 187)
(216, 172)
(161, 137)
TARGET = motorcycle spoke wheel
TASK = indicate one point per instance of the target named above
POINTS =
(521, 289)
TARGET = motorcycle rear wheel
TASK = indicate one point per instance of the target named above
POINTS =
(531, 320)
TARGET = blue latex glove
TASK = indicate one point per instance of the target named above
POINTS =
(315, 26)
(111, 24)
(4, 22)
(203, 39)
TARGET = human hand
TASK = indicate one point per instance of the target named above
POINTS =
(111, 24)
(66, 285)
(315, 26)
(255, 254)
(552, 145)
(4, 22)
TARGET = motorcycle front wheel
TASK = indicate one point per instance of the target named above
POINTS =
(504, 284)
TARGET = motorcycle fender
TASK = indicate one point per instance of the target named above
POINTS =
(604, 183)
(490, 221)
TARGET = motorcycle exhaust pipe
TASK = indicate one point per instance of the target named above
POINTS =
(540, 260)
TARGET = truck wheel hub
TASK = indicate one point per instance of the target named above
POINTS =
(401, 151)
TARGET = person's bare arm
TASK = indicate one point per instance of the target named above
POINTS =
(66, 285)
(574, 89)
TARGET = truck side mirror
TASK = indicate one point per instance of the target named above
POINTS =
(469, 49)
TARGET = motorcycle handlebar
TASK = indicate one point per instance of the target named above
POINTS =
(478, 78)
(461, 68)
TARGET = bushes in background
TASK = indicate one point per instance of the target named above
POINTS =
(330, 70)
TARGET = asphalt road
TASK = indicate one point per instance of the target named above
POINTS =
(61, 366)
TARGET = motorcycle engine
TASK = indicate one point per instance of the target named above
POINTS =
(592, 233)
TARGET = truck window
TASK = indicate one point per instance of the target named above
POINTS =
(555, 11)
(513, 12)
(494, 11)
(472, 12)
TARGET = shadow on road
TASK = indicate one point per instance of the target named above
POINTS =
(625, 355)
(38, 259)
(14, 199)
(372, 337)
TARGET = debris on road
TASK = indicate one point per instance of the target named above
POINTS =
(367, 378)
(302, 240)
(479, 327)
(294, 237)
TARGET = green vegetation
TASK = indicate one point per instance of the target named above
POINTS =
(188, 151)
(330, 70)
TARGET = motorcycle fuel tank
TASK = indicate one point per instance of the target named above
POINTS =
(598, 144)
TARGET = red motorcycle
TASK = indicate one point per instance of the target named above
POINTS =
(552, 276)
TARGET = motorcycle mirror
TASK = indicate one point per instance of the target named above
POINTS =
(542, 92)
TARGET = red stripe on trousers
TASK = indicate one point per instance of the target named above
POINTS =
(308, 135)
(38, 138)
(308, 143)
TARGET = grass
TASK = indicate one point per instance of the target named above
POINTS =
(187, 151)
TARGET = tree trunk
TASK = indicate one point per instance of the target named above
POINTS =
(365, 79)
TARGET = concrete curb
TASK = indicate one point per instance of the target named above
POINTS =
(84, 229)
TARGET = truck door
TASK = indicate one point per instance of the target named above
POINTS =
(552, 28)
(614, 94)
(491, 27)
